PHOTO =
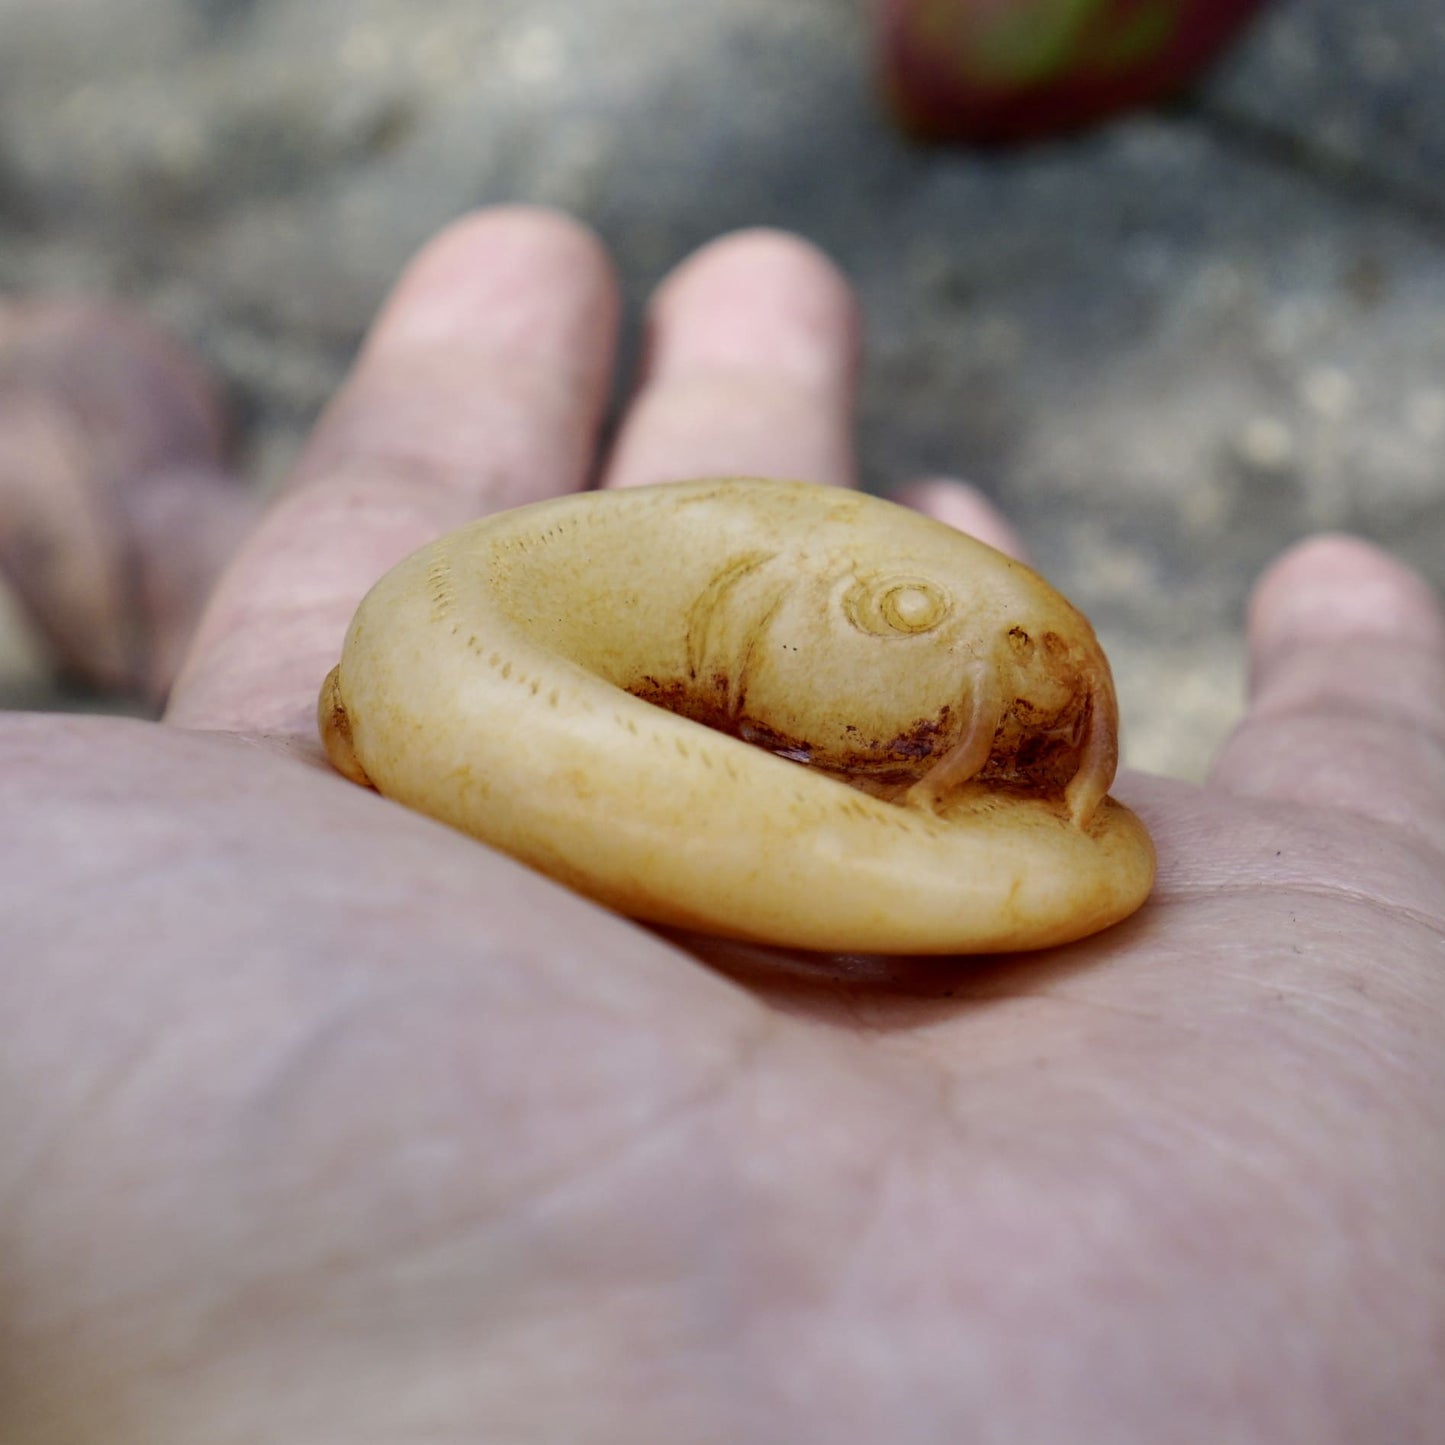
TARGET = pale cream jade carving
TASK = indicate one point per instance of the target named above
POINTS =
(766, 710)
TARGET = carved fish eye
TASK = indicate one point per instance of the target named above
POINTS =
(895, 606)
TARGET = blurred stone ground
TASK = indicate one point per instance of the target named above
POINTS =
(1168, 349)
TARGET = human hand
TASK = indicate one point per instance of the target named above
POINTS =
(115, 508)
(321, 1123)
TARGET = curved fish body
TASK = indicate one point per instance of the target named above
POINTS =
(766, 710)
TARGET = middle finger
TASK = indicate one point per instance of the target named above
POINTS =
(749, 369)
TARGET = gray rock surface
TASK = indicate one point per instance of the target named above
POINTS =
(1168, 348)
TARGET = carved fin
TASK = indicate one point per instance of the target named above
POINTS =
(1099, 757)
(966, 757)
(718, 639)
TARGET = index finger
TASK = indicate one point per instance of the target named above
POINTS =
(481, 386)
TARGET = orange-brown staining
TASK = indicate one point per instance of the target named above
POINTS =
(334, 724)
(923, 740)
(882, 767)
(682, 699)
(1034, 752)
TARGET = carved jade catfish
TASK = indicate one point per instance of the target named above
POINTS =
(767, 710)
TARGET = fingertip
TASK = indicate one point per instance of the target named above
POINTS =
(749, 368)
(962, 506)
(785, 254)
(1340, 588)
(484, 262)
(758, 295)
(535, 228)
(506, 311)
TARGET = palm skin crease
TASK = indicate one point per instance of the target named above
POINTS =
(317, 1123)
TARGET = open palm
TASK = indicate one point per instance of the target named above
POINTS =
(320, 1123)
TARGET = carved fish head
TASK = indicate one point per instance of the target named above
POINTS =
(937, 649)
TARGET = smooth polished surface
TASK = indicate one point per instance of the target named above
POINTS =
(771, 711)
